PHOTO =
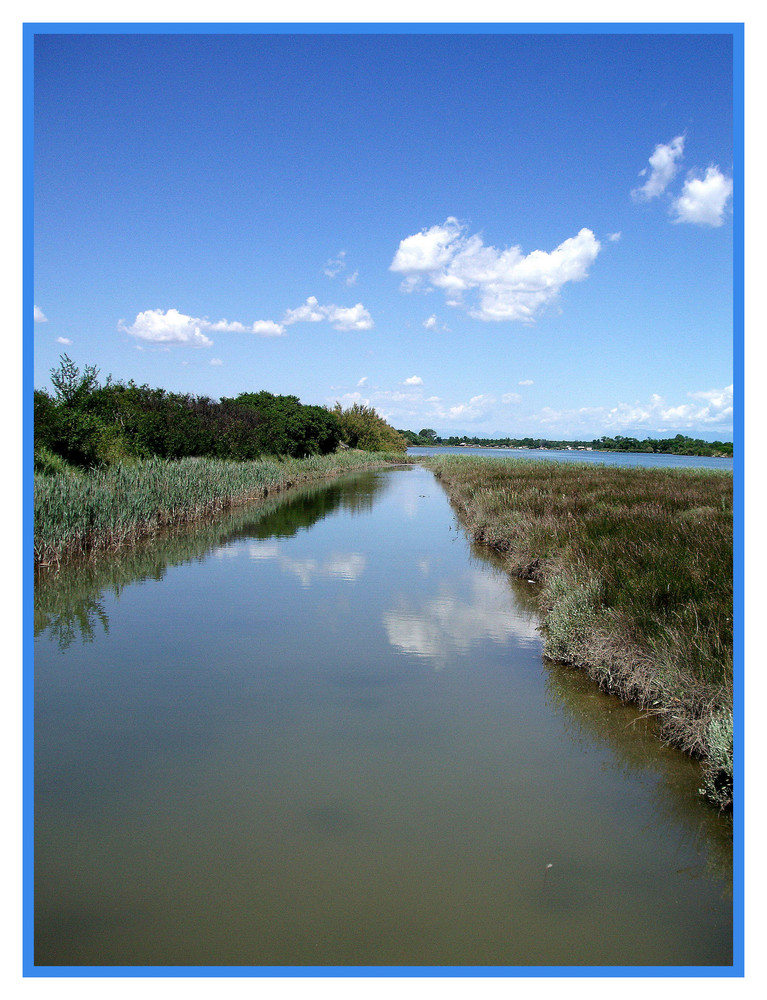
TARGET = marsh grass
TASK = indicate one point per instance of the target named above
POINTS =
(103, 510)
(635, 567)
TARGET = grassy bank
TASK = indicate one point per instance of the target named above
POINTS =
(85, 512)
(634, 568)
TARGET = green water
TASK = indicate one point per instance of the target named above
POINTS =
(321, 733)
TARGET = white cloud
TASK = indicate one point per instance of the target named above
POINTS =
(362, 381)
(351, 279)
(475, 409)
(503, 284)
(526, 381)
(430, 323)
(216, 362)
(40, 316)
(663, 168)
(413, 380)
(511, 397)
(703, 199)
(173, 327)
(267, 328)
(341, 318)
(614, 237)
(63, 340)
(709, 409)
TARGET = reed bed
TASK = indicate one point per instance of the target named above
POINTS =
(635, 574)
(103, 510)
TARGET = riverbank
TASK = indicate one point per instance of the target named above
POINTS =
(77, 513)
(634, 572)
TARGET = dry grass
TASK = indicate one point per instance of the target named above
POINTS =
(636, 573)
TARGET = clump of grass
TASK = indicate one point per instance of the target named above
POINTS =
(113, 506)
(637, 572)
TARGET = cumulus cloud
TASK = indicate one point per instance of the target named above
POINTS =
(40, 316)
(216, 362)
(614, 237)
(500, 284)
(526, 381)
(351, 279)
(664, 164)
(413, 380)
(476, 408)
(341, 318)
(703, 199)
(63, 340)
(170, 327)
(430, 323)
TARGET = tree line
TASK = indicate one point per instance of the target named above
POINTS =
(678, 445)
(87, 424)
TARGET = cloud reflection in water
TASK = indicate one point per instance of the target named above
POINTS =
(451, 623)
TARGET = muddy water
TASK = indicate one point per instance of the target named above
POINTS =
(321, 733)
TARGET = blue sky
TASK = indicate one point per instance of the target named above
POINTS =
(517, 234)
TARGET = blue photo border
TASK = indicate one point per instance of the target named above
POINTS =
(30, 31)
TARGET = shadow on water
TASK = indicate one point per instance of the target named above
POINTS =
(68, 602)
(591, 717)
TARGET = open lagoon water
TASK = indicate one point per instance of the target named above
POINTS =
(321, 732)
(645, 460)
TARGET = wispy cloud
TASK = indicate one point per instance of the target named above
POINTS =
(664, 164)
(711, 408)
(341, 318)
(526, 381)
(171, 327)
(500, 284)
(40, 316)
(335, 265)
(408, 406)
(703, 199)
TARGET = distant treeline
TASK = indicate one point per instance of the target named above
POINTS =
(678, 445)
(87, 424)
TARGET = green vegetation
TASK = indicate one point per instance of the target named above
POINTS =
(115, 462)
(85, 512)
(679, 445)
(635, 567)
(89, 425)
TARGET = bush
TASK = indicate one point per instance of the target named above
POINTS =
(361, 427)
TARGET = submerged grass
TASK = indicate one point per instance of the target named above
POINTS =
(82, 513)
(635, 567)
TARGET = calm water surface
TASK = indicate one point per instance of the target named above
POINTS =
(647, 461)
(322, 733)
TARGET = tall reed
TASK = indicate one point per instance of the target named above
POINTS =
(107, 508)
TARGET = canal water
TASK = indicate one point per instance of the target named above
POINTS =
(321, 733)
